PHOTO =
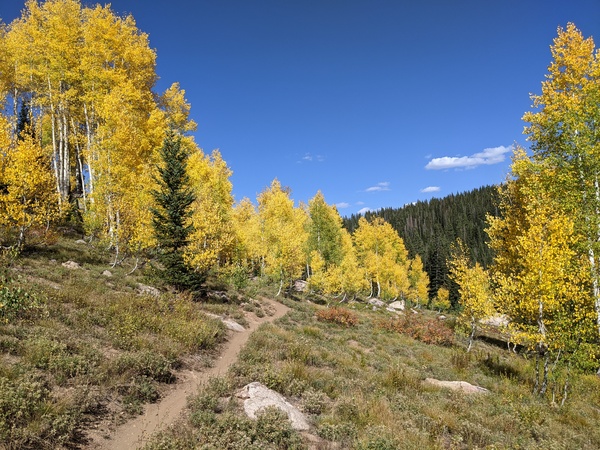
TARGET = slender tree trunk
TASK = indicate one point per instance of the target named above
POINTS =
(472, 335)
(545, 374)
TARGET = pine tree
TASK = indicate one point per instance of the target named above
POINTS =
(171, 216)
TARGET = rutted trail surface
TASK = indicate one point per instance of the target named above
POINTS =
(157, 416)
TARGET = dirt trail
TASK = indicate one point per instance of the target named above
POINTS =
(157, 416)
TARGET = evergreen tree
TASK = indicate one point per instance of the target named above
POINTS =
(171, 216)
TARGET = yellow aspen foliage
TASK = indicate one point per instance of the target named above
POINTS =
(474, 290)
(318, 279)
(381, 252)
(419, 282)
(563, 131)
(347, 278)
(542, 282)
(441, 302)
(27, 197)
(248, 248)
(211, 243)
(284, 232)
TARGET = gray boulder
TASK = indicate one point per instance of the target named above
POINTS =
(376, 302)
(71, 265)
(148, 290)
(462, 386)
(257, 396)
(398, 305)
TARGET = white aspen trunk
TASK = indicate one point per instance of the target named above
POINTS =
(88, 133)
(592, 256)
(79, 161)
(65, 157)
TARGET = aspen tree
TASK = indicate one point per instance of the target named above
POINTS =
(27, 197)
(211, 243)
(248, 244)
(283, 228)
(563, 131)
(541, 283)
(382, 254)
(419, 281)
(474, 290)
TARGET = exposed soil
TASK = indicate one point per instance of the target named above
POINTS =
(157, 416)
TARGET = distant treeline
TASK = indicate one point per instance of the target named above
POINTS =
(429, 228)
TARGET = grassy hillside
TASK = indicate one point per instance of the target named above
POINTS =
(363, 388)
(80, 345)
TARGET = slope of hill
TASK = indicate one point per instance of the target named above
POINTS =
(84, 346)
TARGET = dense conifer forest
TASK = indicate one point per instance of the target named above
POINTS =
(430, 227)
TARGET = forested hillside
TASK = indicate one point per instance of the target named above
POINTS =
(430, 227)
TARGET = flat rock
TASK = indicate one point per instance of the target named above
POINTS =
(499, 320)
(71, 265)
(397, 305)
(376, 302)
(233, 325)
(257, 397)
(300, 285)
(80, 241)
(143, 289)
(462, 386)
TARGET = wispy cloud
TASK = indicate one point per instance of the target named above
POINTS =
(383, 186)
(363, 210)
(488, 156)
(430, 189)
(308, 157)
(342, 205)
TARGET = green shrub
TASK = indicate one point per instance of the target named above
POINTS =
(15, 302)
(313, 401)
(29, 418)
(145, 364)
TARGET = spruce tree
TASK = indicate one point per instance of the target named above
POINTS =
(171, 215)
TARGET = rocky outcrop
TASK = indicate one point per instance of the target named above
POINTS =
(462, 386)
(257, 396)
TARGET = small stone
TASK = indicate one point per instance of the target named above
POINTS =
(149, 290)
(71, 265)
(107, 273)
(80, 241)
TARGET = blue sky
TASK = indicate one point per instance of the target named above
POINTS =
(375, 103)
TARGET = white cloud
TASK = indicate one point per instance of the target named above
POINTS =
(364, 210)
(488, 156)
(308, 157)
(342, 205)
(383, 186)
(431, 189)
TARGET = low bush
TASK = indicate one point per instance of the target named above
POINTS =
(15, 302)
(341, 316)
(427, 330)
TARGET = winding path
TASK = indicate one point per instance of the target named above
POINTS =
(157, 416)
